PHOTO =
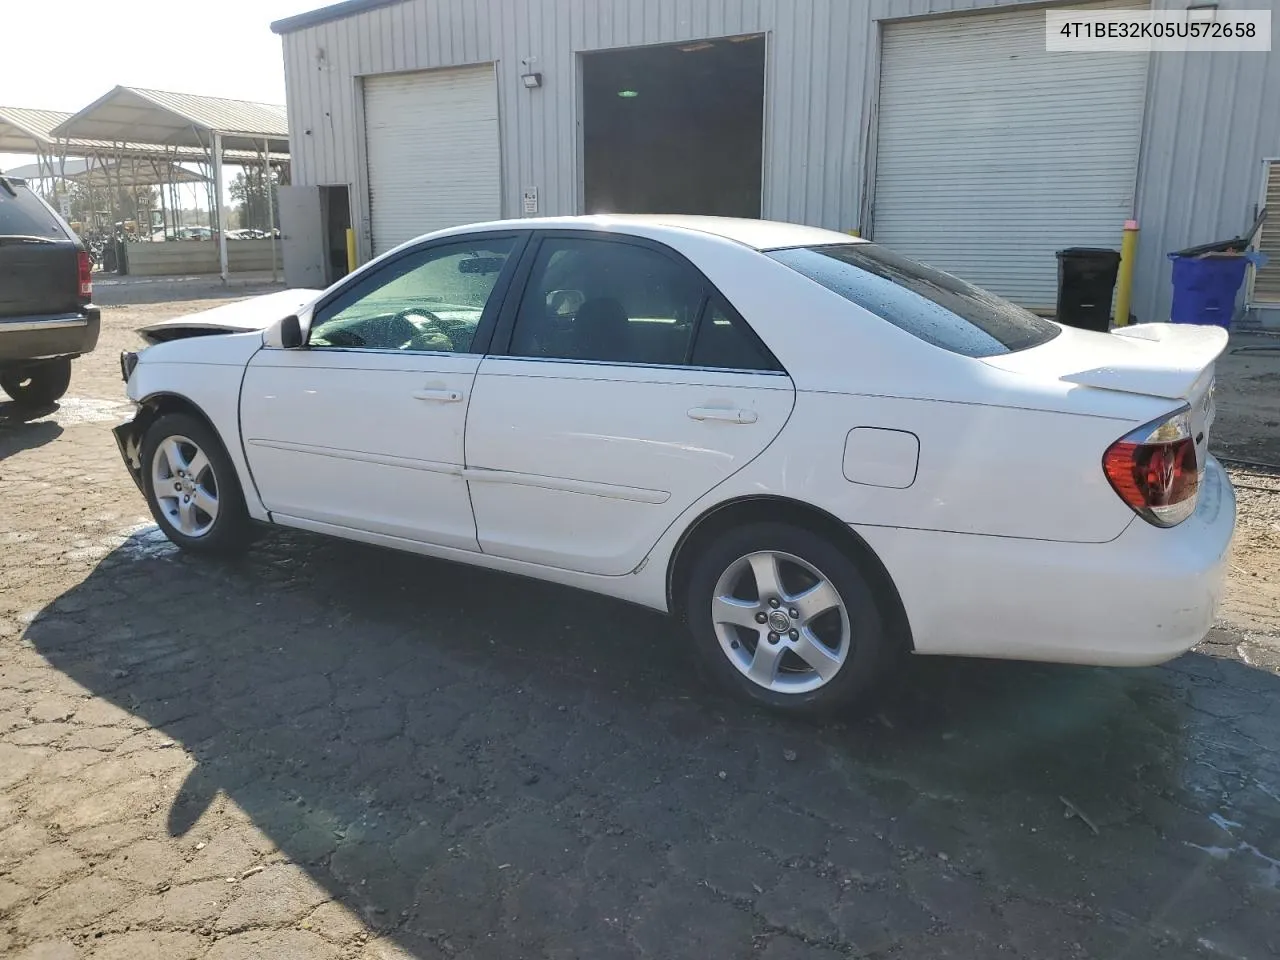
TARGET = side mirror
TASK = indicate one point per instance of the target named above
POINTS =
(290, 332)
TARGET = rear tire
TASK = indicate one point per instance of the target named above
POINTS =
(192, 488)
(39, 385)
(836, 650)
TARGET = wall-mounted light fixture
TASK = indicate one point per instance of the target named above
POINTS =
(531, 80)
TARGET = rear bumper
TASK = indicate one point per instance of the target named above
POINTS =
(1143, 598)
(45, 337)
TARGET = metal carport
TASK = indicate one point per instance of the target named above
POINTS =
(212, 125)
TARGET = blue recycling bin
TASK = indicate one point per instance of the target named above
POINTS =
(1205, 288)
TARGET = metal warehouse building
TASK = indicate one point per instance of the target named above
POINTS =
(940, 127)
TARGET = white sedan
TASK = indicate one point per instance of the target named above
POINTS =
(818, 454)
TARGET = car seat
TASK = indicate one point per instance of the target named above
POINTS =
(602, 331)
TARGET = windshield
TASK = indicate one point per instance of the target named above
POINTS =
(23, 215)
(927, 303)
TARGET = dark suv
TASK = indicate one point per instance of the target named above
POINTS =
(46, 318)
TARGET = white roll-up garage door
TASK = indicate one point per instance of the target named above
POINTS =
(432, 142)
(992, 153)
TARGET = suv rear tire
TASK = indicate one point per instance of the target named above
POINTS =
(39, 385)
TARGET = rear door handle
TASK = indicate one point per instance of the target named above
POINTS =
(439, 396)
(723, 414)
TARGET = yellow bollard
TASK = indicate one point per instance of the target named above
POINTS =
(1124, 280)
(351, 250)
(855, 232)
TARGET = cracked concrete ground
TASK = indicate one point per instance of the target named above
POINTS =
(329, 751)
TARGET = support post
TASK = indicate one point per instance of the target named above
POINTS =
(271, 205)
(217, 203)
(1124, 279)
(161, 186)
(351, 250)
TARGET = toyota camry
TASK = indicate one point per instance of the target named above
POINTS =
(817, 454)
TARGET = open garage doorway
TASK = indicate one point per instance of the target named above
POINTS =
(675, 129)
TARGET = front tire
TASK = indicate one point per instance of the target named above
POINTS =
(39, 385)
(786, 618)
(192, 488)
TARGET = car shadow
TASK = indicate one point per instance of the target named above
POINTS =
(25, 428)
(473, 761)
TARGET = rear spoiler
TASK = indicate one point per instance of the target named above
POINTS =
(1181, 355)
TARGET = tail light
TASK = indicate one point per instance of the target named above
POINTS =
(86, 276)
(1155, 470)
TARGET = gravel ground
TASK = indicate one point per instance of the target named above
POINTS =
(326, 750)
(1248, 427)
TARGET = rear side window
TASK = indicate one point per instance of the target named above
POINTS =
(25, 216)
(936, 307)
(608, 302)
(725, 342)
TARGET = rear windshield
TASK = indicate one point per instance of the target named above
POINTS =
(25, 216)
(932, 305)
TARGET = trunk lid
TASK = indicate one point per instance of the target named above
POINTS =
(1172, 361)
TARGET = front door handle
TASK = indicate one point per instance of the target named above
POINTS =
(723, 414)
(439, 396)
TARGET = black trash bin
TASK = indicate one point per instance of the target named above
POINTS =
(1086, 282)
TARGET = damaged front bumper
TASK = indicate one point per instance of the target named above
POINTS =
(129, 435)
(129, 440)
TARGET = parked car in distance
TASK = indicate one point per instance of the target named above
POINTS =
(46, 317)
(817, 453)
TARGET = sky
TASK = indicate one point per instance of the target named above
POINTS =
(77, 50)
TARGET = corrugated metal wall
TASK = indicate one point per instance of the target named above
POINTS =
(1211, 119)
(821, 61)
(1207, 124)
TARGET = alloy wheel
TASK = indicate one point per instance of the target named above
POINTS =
(185, 487)
(781, 622)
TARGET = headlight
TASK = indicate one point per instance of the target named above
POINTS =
(128, 360)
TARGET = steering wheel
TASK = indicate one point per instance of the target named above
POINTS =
(414, 335)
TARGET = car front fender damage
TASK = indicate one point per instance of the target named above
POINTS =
(129, 440)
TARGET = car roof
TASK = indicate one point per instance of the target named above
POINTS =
(757, 234)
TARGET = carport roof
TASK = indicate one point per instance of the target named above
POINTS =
(30, 130)
(23, 130)
(140, 171)
(136, 115)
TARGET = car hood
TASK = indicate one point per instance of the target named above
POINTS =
(243, 316)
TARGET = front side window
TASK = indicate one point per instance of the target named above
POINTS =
(609, 302)
(428, 301)
(936, 307)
